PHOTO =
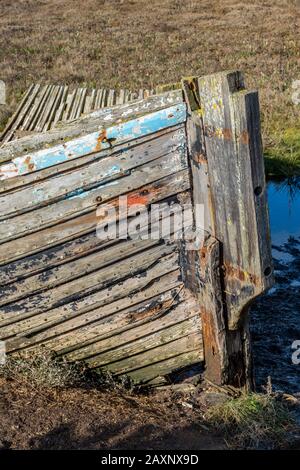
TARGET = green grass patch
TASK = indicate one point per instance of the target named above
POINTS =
(282, 157)
(253, 421)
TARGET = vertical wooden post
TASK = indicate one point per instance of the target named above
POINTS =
(227, 174)
(203, 266)
(238, 190)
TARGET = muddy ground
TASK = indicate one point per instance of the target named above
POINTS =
(94, 419)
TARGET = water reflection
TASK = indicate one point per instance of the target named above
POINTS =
(276, 315)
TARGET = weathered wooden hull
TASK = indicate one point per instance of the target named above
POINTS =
(139, 307)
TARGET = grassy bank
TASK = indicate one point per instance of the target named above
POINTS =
(136, 43)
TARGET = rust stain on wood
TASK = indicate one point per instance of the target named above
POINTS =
(101, 138)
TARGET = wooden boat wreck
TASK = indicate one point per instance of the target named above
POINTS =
(142, 307)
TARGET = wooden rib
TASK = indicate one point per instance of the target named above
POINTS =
(17, 112)
(61, 108)
(47, 108)
(75, 104)
(69, 105)
(53, 106)
(37, 119)
(22, 113)
(81, 103)
(87, 104)
(30, 115)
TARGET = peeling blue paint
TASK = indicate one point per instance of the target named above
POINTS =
(145, 125)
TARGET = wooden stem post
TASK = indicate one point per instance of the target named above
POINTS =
(227, 173)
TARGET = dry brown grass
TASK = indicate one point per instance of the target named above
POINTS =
(137, 43)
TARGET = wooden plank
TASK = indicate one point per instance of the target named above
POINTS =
(33, 243)
(135, 354)
(87, 124)
(238, 189)
(78, 287)
(83, 202)
(72, 270)
(94, 142)
(101, 171)
(78, 329)
(74, 333)
(183, 311)
(147, 374)
(81, 246)
(138, 365)
(30, 178)
(163, 275)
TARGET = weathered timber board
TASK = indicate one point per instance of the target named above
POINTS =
(89, 175)
(91, 123)
(94, 142)
(42, 107)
